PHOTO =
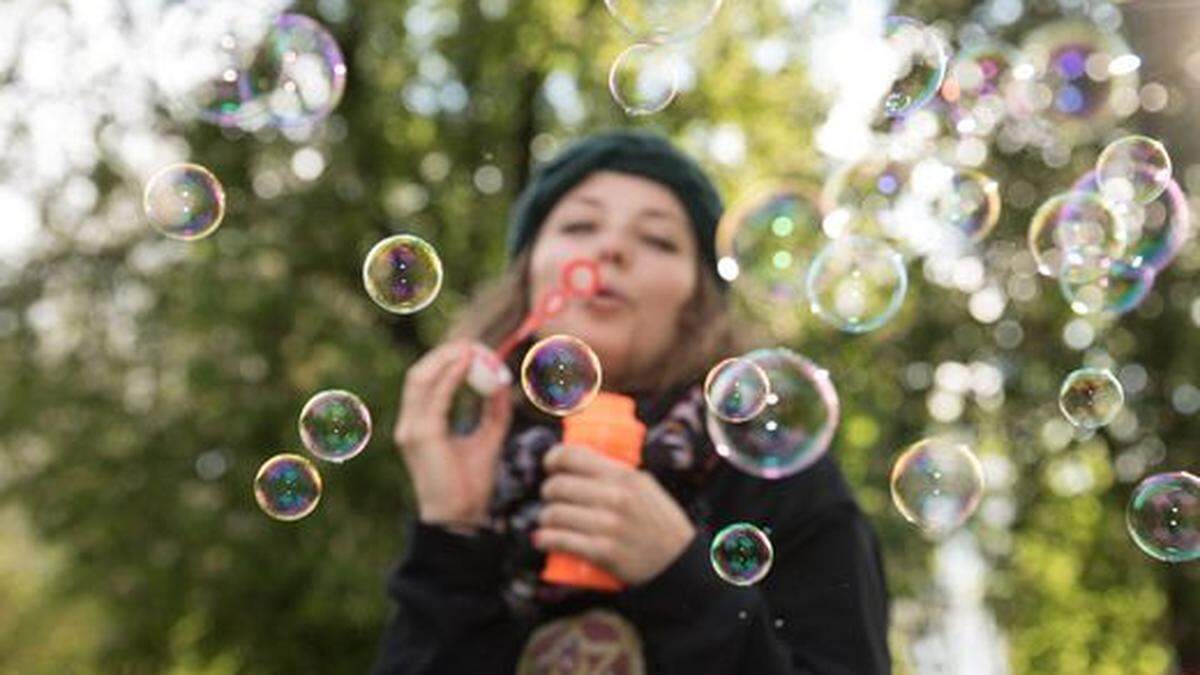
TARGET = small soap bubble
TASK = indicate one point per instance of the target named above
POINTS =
(1076, 235)
(856, 284)
(970, 203)
(1133, 169)
(741, 554)
(1090, 398)
(561, 375)
(795, 428)
(1163, 517)
(644, 78)
(335, 425)
(184, 201)
(919, 59)
(663, 20)
(402, 274)
(736, 390)
(765, 237)
(287, 487)
(936, 484)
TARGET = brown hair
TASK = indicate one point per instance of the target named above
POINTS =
(704, 335)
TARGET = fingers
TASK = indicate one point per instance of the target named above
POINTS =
(582, 461)
(564, 516)
(599, 550)
(581, 491)
(430, 373)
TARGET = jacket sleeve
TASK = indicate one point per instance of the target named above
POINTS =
(450, 616)
(821, 609)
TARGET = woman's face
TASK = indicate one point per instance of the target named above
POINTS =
(639, 233)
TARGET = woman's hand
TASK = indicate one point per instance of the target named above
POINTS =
(452, 475)
(610, 514)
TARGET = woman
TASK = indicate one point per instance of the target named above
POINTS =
(491, 504)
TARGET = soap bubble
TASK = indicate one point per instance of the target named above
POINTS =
(184, 201)
(856, 284)
(1133, 169)
(1090, 398)
(1073, 71)
(1163, 517)
(863, 198)
(1078, 235)
(402, 274)
(287, 487)
(335, 425)
(663, 20)
(937, 484)
(764, 237)
(736, 390)
(795, 428)
(970, 203)
(1156, 230)
(919, 60)
(644, 78)
(1118, 291)
(560, 375)
(741, 554)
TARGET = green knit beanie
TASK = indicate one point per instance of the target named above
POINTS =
(633, 152)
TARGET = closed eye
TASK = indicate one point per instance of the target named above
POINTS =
(661, 243)
(578, 227)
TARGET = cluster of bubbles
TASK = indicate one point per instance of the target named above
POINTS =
(1090, 398)
(741, 554)
(184, 201)
(645, 77)
(402, 274)
(560, 375)
(1120, 225)
(793, 430)
(1163, 516)
(936, 484)
(335, 426)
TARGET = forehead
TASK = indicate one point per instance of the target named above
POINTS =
(620, 193)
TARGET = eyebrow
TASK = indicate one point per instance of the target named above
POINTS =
(646, 213)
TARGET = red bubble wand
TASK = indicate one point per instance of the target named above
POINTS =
(579, 279)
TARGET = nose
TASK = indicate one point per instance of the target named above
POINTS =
(614, 249)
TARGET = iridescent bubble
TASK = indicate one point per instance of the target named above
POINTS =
(1156, 230)
(741, 554)
(762, 242)
(1133, 169)
(1090, 398)
(402, 274)
(644, 78)
(1163, 517)
(793, 431)
(970, 203)
(1073, 71)
(1118, 291)
(287, 487)
(736, 390)
(937, 484)
(1078, 235)
(863, 198)
(184, 201)
(295, 75)
(335, 425)
(560, 375)
(663, 20)
(856, 284)
(919, 59)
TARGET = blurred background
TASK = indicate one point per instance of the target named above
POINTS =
(143, 380)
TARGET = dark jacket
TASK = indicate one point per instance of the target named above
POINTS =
(821, 609)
